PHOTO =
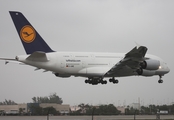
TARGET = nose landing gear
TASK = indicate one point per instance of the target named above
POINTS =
(160, 80)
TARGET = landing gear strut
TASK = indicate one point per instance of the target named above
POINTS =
(113, 80)
(160, 80)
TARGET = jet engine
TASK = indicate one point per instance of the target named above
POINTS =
(145, 72)
(150, 64)
(148, 72)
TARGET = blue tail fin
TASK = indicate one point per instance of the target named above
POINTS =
(30, 38)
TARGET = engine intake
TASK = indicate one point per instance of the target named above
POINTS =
(145, 72)
(150, 64)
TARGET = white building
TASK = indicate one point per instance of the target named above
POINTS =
(121, 108)
(135, 106)
(74, 108)
(13, 109)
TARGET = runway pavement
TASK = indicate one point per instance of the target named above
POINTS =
(119, 117)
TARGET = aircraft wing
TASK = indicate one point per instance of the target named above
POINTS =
(129, 64)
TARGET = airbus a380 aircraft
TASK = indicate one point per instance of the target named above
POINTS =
(93, 66)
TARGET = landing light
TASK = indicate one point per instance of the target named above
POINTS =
(160, 67)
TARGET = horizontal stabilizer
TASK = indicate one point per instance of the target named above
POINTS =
(9, 60)
(38, 56)
(14, 62)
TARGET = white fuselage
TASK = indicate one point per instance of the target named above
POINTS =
(86, 64)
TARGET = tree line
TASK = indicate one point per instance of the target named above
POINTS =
(150, 110)
(34, 108)
(86, 109)
(110, 109)
(8, 102)
(53, 98)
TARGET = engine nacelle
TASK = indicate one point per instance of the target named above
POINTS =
(150, 64)
(145, 72)
(148, 72)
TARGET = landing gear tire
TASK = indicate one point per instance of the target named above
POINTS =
(110, 80)
(113, 80)
(95, 81)
(160, 81)
(86, 81)
(104, 82)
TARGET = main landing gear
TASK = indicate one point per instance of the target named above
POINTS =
(113, 80)
(160, 80)
(95, 81)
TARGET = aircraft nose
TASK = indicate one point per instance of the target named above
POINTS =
(165, 68)
(168, 70)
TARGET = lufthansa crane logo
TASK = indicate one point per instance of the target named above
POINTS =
(28, 34)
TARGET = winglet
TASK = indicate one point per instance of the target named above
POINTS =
(137, 45)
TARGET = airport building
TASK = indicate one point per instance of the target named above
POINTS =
(74, 108)
(13, 109)
(63, 109)
(121, 109)
(26, 108)
(135, 106)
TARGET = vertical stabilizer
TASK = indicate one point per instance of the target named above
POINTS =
(30, 38)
